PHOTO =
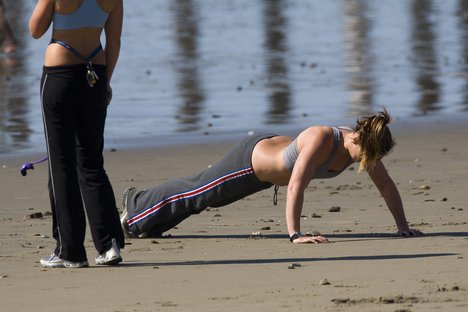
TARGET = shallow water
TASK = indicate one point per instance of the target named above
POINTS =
(204, 69)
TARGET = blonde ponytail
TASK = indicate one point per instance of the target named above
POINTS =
(375, 138)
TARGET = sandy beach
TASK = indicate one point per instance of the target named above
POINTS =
(238, 258)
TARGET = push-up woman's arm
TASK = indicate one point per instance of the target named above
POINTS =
(389, 192)
(314, 147)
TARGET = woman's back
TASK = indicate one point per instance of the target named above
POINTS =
(267, 160)
(79, 24)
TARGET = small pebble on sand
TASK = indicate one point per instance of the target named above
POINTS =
(324, 282)
(292, 266)
(35, 215)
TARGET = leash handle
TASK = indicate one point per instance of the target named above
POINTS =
(30, 165)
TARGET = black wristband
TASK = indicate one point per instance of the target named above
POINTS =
(296, 235)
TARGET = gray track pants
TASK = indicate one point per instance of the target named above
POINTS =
(159, 209)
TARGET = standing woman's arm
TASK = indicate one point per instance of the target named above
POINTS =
(113, 31)
(41, 18)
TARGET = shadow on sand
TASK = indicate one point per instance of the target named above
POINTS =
(347, 236)
(284, 260)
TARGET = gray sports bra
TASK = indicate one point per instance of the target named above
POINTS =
(321, 172)
(89, 14)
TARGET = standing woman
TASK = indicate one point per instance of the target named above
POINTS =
(75, 93)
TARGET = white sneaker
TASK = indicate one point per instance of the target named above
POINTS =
(54, 261)
(110, 257)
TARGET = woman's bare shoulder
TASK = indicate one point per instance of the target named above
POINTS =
(318, 132)
(66, 6)
(316, 137)
(109, 5)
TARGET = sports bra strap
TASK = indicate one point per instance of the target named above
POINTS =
(336, 143)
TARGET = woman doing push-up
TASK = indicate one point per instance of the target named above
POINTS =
(261, 161)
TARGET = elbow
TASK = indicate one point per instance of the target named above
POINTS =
(113, 44)
(35, 32)
(35, 35)
(295, 188)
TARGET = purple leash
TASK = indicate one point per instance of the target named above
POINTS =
(30, 165)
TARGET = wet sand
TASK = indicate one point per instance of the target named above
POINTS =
(238, 257)
(227, 67)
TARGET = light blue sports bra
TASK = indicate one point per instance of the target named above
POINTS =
(321, 172)
(89, 14)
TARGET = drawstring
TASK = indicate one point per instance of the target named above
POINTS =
(275, 195)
